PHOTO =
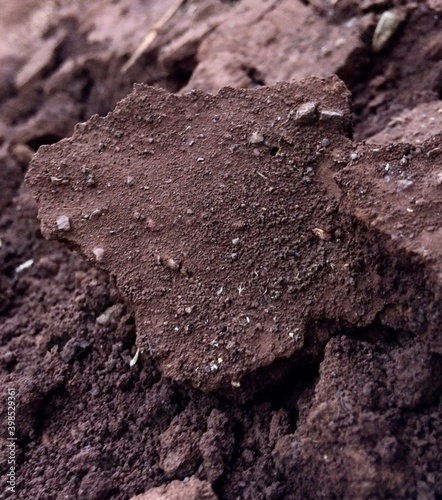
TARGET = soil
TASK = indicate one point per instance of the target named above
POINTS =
(241, 296)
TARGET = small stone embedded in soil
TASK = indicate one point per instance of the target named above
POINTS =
(334, 118)
(98, 253)
(171, 264)
(256, 138)
(307, 217)
(63, 223)
(110, 316)
(306, 113)
(90, 181)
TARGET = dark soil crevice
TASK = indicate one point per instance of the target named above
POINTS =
(36, 142)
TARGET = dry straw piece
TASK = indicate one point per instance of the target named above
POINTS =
(153, 33)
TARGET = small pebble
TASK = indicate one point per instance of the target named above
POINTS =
(110, 315)
(256, 138)
(172, 264)
(325, 143)
(403, 161)
(130, 181)
(90, 181)
(96, 213)
(63, 223)
(98, 253)
(354, 156)
(306, 113)
(387, 25)
(403, 184)
(334, 118)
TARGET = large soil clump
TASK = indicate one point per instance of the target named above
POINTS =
(238, 225)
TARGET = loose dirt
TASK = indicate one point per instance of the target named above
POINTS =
(256, 309)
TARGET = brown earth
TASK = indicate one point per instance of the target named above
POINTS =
(350, 410)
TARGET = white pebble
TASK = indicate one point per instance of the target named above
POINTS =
(63, 223)
(98, 253)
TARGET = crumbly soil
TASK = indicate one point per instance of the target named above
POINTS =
(247, 303)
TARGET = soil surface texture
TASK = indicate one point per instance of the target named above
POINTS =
(226, 281)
